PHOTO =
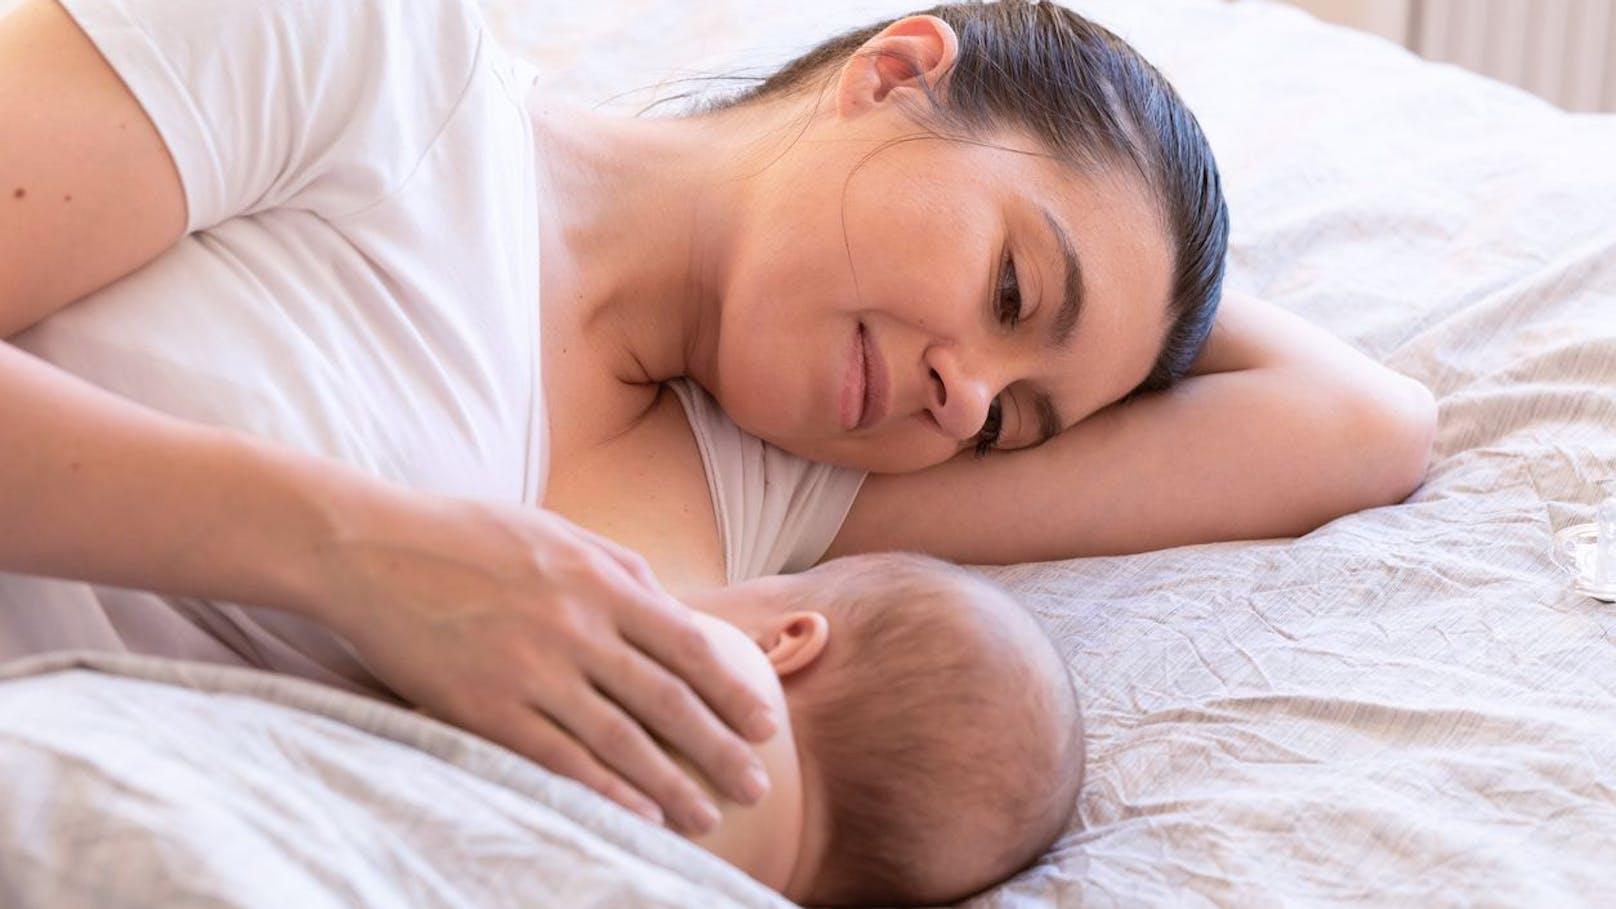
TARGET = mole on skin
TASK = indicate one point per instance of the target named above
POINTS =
(20, 192)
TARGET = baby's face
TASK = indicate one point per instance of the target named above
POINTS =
(764, 840)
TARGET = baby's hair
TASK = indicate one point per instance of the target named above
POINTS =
(941, 701)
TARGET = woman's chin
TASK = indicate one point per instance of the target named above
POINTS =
(871, 454)
(896, 449)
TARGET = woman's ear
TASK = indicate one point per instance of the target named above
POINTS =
(905, 52)
(794, 640)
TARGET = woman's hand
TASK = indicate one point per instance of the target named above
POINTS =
(530, 631)
(507, 621)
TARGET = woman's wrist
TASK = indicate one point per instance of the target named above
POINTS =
(292, 512)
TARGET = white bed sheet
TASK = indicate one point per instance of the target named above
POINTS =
(135, 781)
(1407, 707)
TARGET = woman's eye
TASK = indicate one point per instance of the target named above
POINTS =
(988, 438)
(1007, 301)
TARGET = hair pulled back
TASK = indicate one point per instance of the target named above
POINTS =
(1095, 104)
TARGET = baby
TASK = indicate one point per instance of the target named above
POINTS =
(934, 747)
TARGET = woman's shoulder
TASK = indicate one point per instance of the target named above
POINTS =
(257, 102)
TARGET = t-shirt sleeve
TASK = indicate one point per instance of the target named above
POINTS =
(321, 105)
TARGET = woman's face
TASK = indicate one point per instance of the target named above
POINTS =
(872, 315)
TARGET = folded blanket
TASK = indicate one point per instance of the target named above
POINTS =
(139, 781)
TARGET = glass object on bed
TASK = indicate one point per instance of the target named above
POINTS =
(1588, 551)
(1605, 545)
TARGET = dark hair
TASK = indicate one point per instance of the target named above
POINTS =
(944, 730)
(1094, 103)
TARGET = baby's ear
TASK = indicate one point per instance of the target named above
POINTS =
(793, 640)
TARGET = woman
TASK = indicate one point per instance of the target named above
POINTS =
(305, 270)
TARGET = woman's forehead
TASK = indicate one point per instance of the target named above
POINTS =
(1108, 229)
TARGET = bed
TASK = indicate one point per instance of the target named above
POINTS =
(1409, 706)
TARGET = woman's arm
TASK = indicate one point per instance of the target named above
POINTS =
(88, 192)
(1281, 428)
(503, 619)
(506, 620)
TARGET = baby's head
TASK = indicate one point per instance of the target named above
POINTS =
(935, 741)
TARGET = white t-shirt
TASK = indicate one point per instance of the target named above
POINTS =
(359, 278)
(776, 512)
(360, 275)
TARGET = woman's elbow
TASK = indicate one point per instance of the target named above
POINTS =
(1399, 428)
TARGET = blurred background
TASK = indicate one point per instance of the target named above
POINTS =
(1559, 49)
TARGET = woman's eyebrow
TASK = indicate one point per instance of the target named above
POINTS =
(1064, 325)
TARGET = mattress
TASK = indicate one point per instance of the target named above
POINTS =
(1409, 706)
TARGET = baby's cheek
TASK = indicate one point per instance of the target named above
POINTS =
(758, 839)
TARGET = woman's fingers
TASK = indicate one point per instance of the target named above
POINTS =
(631, 561)
(646, 699)
(625, 750)
(671, 711)
(558, 644)
(669, 635)
(532, 734)
(670, 701)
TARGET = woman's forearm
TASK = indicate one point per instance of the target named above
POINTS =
(1303, 421)
(1283, 428)
(100, 489)
(1240, 455)
(503, 619)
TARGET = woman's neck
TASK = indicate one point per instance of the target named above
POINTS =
(637, 219)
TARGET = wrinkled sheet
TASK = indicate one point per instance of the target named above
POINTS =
(1406, 707)
(134, 781)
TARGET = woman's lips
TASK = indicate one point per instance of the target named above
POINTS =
(854, 381)
(873, 404)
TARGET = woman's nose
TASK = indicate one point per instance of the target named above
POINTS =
(960, 395)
